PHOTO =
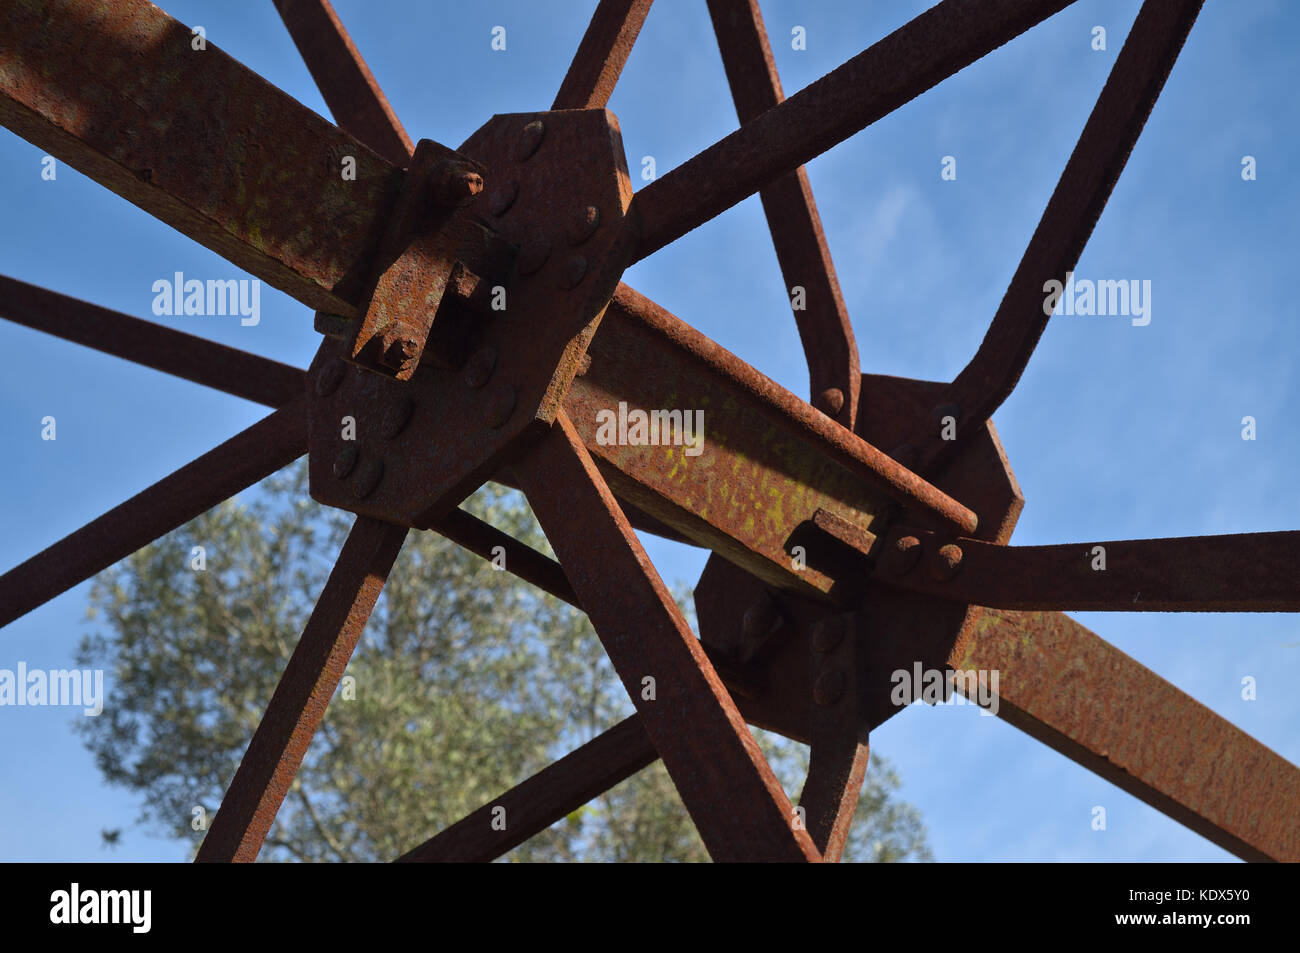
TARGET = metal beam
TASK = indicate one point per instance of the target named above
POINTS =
(602, 54)
(304, 692)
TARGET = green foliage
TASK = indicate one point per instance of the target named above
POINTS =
(467, 681)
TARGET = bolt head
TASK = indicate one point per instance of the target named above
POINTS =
(397, 416)
(902, 556)
(529, 139)
(455, 183)
(503, 198)
(368, 477)
(479, 368)
(345, 461)
(761, 618)
(831, 401)
(946, 562)
(584, 225)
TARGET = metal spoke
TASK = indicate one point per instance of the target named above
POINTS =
(168, 138)
(249, 456)
(940, 42)
(805, 259)
(548, 796)
(602, 54)
(727, 786)
(173, 352)
(298, 705)
(345, 82)
(1094, 167)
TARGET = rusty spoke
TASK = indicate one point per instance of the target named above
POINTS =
(1061, 684)
(306, 687)
(249, 456)
(167, 140)
(801, 250)
(173, 352)
(345, 82)
(727, 786)
(919, 55)
(548, 796)
(602, 54)
(1081, 194)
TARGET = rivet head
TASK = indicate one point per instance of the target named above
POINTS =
(479, 368)
(575, 269)
(345, 461)
(902, 556)
(329, 377)
(829, 687)
(397, 416)
(760, 619)
(827, 635)
(533, 255)
(831, 401)
(503, 198)
(500, 405)
(584, 225)
(946, 562)
(368, 477)
(455, 183)
(529, 139)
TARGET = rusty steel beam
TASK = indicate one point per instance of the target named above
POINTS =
(1244, 572)
(304, 692)
(723, 779)
(602, 54)
(1112, 130)
(792, 219)
(249, 456)
(188, 356)
(1063, 685)
(940, 42)
(548, 796)
(197, 141)
(345, 82)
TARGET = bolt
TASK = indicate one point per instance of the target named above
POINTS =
(329, 378)
(529, 140)
(455, 183)
(345, 461)
(946, 562)
(479, 368)
(827, 635)
(830, 401)
(397, 416)
(902, 556)
(503, 198)
(501, 404)
(368, 477)
(829, 688)
(575, 269)
(584, 225)
(533, 255)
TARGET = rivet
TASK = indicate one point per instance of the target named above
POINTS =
(584, 225)
(830, 401)
(902, 556)
(575, 269)
(455, 183)
(827, 635)
(529, 140)
(829, 688)
(503, 198)
(479, 368)
(533, 255)
(946, 562)
(760, 618)
(329, 378)
(368, 477)
(397, 416)
(501, 404)
(345, 461)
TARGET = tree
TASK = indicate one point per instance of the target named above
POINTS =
(465, 682)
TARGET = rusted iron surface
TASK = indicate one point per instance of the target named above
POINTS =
(345, 82)
(193, 358)
(548, 796)
(726, 784)
(1068, 688)
(196, 140)
(1090, 175)
(304, 692)
(249, 456)
(805, 259)
(602, 54)
(1243, 572)
(940, 42)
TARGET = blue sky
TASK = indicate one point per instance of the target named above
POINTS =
(1115, 431)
